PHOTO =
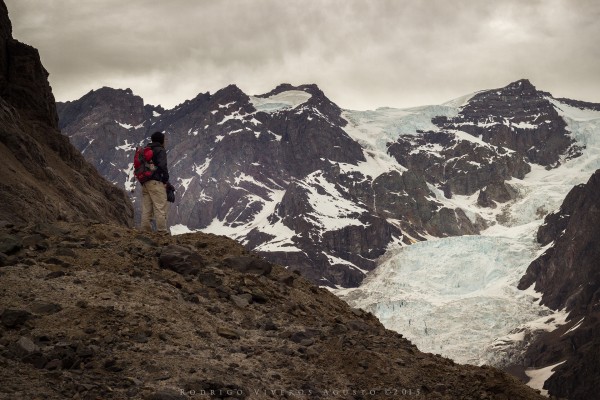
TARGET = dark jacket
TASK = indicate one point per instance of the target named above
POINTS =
(160, 161)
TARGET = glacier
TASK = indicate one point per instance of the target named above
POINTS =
(289, 99)
(458, 296)
(452, 296)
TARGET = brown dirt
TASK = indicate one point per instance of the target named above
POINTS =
(87, 312)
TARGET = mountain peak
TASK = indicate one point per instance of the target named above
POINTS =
(228, 94)
(283, 87)
(286, 87)
(523, 86)
(108, 91)
(230, 89)
(504, 116)
(521, 83)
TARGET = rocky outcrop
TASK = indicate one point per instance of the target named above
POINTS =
(23, 79)
(43, 177)
(580, 104)
(461, 165)
(568, 276)
(517, 117)
(496, 191)
(101, 311)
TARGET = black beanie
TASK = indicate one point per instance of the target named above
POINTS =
(158, 137)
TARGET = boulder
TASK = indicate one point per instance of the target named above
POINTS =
(15, 318)
(181, 260)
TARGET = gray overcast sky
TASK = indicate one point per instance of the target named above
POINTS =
(362, 53)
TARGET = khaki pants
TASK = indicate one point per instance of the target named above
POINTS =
(154, 204)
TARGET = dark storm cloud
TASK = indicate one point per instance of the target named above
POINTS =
(363, 54)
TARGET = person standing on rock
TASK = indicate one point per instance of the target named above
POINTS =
(154, 191)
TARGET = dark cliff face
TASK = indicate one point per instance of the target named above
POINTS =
(568, 276)
(568, 273)
(23, 78)
(43, 176)
(5, 24)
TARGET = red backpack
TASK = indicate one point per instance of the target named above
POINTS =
(143, 166)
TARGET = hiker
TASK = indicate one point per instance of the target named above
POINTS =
(154, 190)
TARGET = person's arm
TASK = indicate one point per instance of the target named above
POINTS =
(161, 163)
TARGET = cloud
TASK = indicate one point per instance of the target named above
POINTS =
(362, 53)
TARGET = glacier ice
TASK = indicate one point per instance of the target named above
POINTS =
(457, 296)
(452, 296)
(286, 100)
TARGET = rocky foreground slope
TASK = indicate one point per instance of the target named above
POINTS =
(93, 311)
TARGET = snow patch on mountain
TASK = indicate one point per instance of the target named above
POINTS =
(540, 376)
(242, 177)
(201, 169)
(282, 236)
(331, 210)
(281, 101)
(460, 135)
(126, 146)
(185, 183)
(375, 164)
(129, 126)
(238, 114)
(574, 113)
(461, 101)
(374, 130)
(524, 125)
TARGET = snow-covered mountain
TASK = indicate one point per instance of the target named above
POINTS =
(323, 190)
